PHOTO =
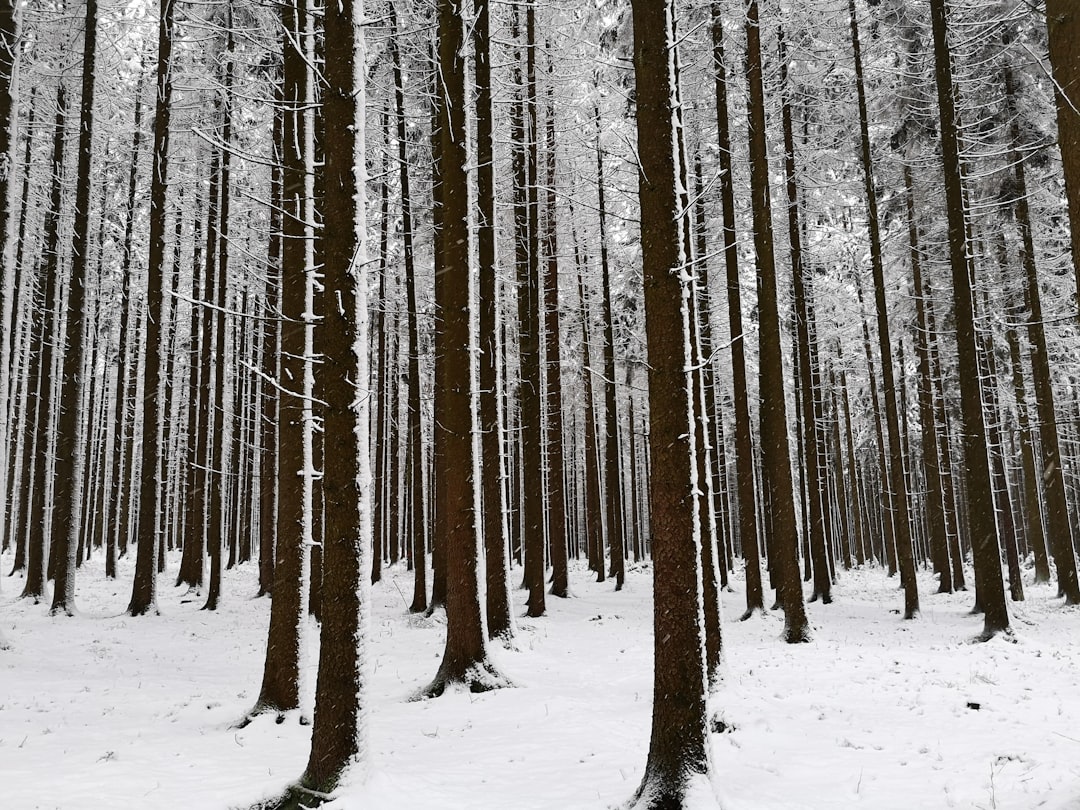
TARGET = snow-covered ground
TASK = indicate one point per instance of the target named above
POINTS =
(105, 711)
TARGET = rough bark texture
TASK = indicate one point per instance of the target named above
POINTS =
(779, 492)
(465, 659)
(983, 532)
(556, 478)
(144, 589)
(280, 690)
(678, 749)
(38, 539)
(339, 732)
(1063, 28)
(499, 616)
(746, 492)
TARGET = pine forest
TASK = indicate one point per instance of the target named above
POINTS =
(471, 405)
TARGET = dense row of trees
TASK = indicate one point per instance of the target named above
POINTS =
(449, 283)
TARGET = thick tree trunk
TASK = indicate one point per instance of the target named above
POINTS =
(1063, 29)
(465, 658)
(979, 494)
(339, 733)
(153, 473)
(219, 476)
(779, 494)
(280, 690)
(530, 325)
(499, 604)
(679, 759)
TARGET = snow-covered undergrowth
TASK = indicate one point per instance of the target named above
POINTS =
(105, 711)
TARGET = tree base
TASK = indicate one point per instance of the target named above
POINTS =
(757, 610)
(295, 797)
(479, 678)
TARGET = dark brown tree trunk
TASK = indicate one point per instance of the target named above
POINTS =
(38, 540)
(218, 478)
(380, 494)
(280, 690)
(679, 760)
(1057, 525)
(779, 494)
(70, 438)
(983, 532)
(746, 494)
(898, 489)
(556, 476)
(192, 562)
(465, 658)
(613, 502)
(153, 472)
(499, 604)
(1063, 29)
(338, 735)
(529, 328)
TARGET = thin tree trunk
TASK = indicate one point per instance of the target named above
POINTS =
(746, 493)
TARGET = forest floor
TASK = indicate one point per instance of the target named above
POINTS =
(106, 711)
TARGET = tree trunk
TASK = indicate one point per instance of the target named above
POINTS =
(339, 733)
(280, 690)
(1063, 30)
(530, 325)
(613, 501)
(416, 510)
(38, 541)
(979, 495)
(814, 464)
(745, 495)
(679, 759)
(218, 477)
(931, 450)
(152, 475)
(499, 604)
(556, 476)
(779, 494)
(465, 658)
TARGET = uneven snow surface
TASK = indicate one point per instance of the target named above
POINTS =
(106, 711)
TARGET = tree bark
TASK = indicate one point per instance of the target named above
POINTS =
(745, 494)
(779, 494)
(983, 532)
(679, 758)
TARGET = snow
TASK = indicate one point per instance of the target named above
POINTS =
(105, 710)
